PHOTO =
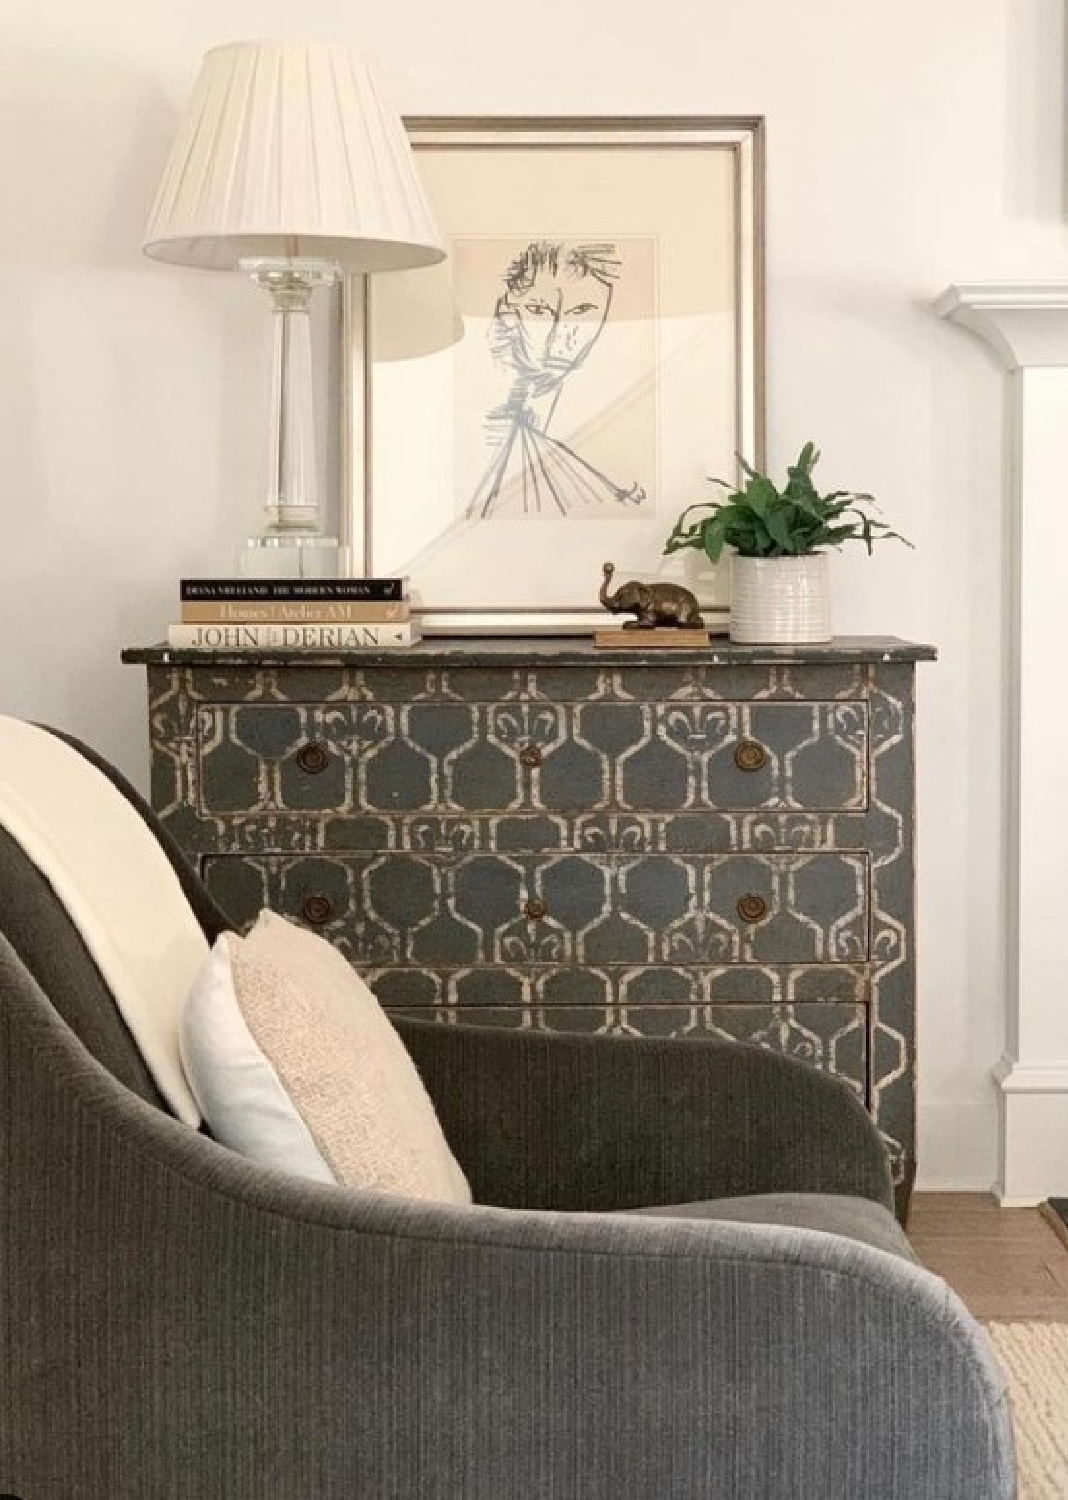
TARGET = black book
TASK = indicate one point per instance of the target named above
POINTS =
(292, 589)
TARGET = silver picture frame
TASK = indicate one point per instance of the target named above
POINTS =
(468, 161)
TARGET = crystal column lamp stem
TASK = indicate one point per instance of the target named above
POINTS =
(293, 543)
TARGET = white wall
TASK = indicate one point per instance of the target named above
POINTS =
(908, 146)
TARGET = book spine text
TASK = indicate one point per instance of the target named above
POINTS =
(290, 637)
(294, 612)
(260, 589)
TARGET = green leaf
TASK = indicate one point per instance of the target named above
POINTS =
(830, 510)
(783, 528)
(743, 532)
(713, 541)
(760, 493)
(800, 487)
(831, 536)
(763, 543)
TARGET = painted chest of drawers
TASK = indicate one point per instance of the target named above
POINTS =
(533, 833)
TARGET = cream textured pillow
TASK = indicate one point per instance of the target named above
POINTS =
(295, 1064)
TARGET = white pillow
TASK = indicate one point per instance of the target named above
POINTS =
(295, 1064)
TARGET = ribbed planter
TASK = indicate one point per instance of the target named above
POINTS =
(780, 600)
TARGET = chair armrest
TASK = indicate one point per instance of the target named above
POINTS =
(540, 1120)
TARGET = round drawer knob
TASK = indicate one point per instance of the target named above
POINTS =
(317, 910)
(752, 908)
(535, 908)
(750, 756)
(530, 755)
(313, 758)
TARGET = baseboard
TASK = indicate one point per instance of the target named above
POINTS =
(1033, 1108)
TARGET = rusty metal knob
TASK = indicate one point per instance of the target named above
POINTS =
(752, 908)
(317, 910)
(750, 756)
(313, 757)
(530, 755)
(535, 908)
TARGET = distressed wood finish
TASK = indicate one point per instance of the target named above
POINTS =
(530, 833)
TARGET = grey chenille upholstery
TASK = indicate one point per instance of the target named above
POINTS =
(179, 1324)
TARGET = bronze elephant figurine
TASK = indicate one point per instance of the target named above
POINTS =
(655, 605)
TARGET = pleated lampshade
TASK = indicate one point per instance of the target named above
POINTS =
(291, 149)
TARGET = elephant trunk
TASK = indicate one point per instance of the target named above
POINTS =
(604, 596)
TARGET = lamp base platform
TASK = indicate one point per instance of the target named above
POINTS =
(292, 555)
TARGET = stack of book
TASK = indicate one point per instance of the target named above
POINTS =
(293, 614)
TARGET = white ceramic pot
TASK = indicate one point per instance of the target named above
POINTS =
(780, 600)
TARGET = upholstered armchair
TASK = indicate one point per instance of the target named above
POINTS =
(681, 1277)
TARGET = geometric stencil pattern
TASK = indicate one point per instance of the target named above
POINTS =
(540, 836)
(566, 908)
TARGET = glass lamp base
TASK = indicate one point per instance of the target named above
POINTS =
(292, 554)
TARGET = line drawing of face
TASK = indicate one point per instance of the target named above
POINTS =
(554, 308)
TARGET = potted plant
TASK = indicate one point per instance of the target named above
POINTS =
(779, 583)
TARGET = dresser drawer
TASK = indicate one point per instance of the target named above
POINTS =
(451, 756)
(554, 909)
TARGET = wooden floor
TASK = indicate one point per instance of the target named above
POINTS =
(1004, 1262)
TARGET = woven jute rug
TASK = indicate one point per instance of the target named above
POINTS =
(1035, 1359)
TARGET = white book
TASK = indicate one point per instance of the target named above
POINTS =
(277, 637)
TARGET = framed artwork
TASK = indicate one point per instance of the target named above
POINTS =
(550, 397)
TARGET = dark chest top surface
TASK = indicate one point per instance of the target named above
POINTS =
(510, 651)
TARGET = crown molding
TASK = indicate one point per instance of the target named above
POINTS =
(1025, 323)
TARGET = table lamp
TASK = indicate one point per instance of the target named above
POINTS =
(291, 165)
